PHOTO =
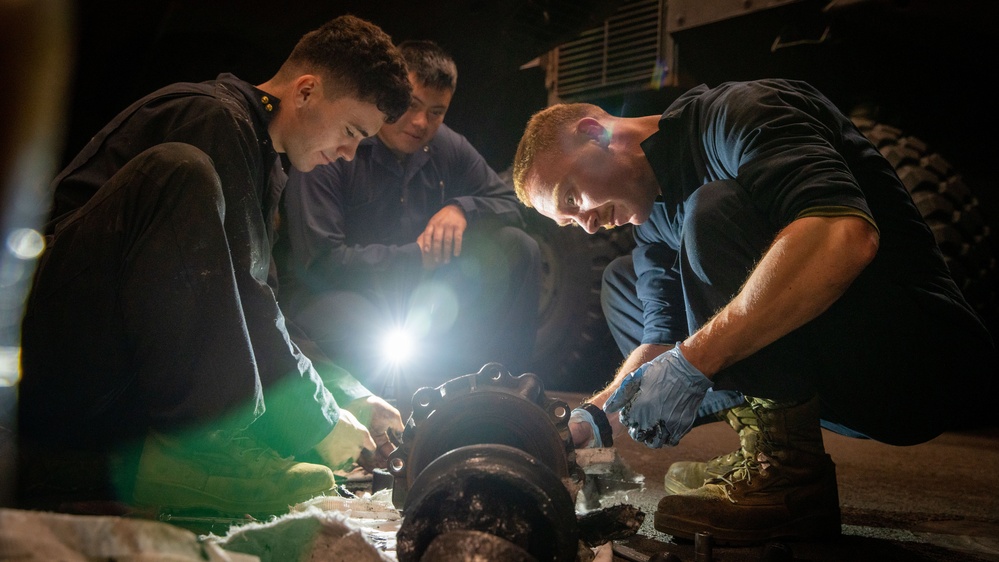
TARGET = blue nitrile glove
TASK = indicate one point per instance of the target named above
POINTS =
(658, 401)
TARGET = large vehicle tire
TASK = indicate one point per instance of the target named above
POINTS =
(950, 208)
(574, 349)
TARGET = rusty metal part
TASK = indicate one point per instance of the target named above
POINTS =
(628, 553)
(455, 546)
(632, 555)
(490, 406)
(612, 523)
(703, 547)
(494, 489)
(490, 453)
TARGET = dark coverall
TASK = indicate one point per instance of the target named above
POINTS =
(151, 307)
(900, 357)
(354, 269)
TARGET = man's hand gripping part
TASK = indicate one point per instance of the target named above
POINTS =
(658, 401)
(364, 425)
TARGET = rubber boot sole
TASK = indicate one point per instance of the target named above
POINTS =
(816, 527)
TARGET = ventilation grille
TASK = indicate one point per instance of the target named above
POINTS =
(621, 55)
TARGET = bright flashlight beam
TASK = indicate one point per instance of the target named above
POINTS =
(397, 346)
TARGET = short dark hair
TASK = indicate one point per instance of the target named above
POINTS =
(432, 65)
(360, 59)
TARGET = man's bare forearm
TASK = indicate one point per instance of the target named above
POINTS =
(642, 354)
(810, 265)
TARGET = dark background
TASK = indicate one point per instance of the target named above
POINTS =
(126, 49)
(929, 61)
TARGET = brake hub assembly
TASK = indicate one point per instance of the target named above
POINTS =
(486, 461)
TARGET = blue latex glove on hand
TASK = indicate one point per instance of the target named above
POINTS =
(658, 401)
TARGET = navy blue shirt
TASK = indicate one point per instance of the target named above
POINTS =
(796, 155)
(362, 217)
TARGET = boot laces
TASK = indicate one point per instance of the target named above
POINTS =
(743, 472)
(247, 448)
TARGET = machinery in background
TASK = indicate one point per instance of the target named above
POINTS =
(909, 73)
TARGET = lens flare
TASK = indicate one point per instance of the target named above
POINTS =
(397, 346)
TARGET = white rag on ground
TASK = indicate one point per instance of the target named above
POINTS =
(40, 536)
(325, 529)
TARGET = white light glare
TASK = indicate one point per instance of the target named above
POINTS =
(397, 346)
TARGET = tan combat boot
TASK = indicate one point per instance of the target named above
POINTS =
(788, 491)
(687, 475)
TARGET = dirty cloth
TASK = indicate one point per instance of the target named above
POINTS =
(43, 536)
(311, 534)
(325, 529)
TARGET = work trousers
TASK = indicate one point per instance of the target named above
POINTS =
(480, 308)
(898, 360)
